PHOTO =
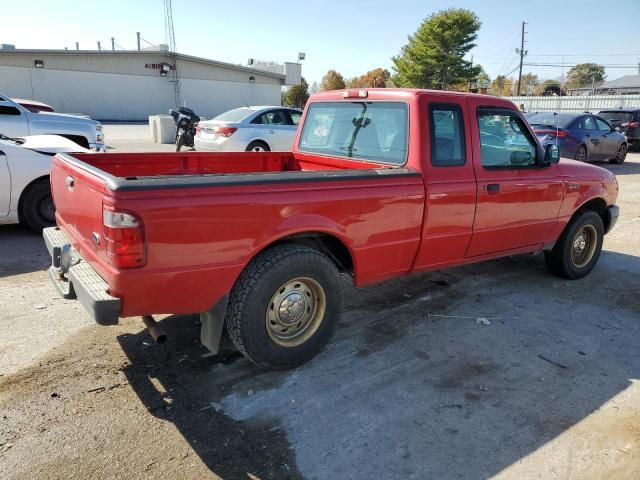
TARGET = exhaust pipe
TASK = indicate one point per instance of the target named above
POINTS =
(155, 330)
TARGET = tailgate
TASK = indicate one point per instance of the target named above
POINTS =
(78, 191)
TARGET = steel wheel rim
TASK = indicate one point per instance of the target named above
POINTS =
(257, 148)
(295, 311)
(581, 156)
(622, 152)
(583, 246)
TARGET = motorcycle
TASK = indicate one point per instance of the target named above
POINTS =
(186, 122)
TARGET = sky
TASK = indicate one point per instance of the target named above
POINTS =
(350, 36)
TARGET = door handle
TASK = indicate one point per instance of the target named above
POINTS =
(492, 188)
(595, 141)
(69, 181)
(272, 131)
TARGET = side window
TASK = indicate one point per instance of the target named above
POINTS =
(274, 117)
(295, 117)
(9, 110)
(257, 120)
(587, 123)
(602, 125)
(504, 140)
(446, 135)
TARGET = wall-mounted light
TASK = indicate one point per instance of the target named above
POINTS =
(301, 56)
(165, 68)
(252, 79)
(250, 61)
(38, 63)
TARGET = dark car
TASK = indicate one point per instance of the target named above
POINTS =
(581, 136)
(627, 121)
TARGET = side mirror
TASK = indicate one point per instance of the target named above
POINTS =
(551, 154)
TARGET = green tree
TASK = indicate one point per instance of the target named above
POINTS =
(297, 95)
(434, 54)
(528, 83)
(585, 75)
(332, 81)
(502, 86)
(376, 78)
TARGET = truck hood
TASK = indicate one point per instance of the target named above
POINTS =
(64, 117)
(52, 144)
(584, 171)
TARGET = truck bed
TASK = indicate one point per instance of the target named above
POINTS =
(200, 213)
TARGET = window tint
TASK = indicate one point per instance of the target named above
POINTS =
(587, 123)
(273, 117)
(9, 110)
(602, 125)
(234, 115)
(295, 116)
(447, 135)
(503, 141)
(367, 130)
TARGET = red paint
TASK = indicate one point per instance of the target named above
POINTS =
(199, 239)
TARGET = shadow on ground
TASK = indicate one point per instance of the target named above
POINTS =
(412, 386)
(21, 251)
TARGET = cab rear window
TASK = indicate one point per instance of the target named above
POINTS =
(374, 131)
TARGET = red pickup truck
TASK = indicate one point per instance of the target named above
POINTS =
(380, 183)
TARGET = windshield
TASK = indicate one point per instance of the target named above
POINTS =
(367, 130)
(551, 119)
(234, 115)
(617, 117)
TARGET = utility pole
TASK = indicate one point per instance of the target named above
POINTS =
(522, 53)
(77, 45)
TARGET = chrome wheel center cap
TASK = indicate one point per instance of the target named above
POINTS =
(292, 308)
(580, 244)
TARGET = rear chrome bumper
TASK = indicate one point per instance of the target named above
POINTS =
(80, 281)
(614, 213)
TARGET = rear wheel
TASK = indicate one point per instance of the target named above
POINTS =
(284, 306)
(578, 248)
(581, 154)
(37, 207)
(179, 140)
(621, 154)
(258, 146)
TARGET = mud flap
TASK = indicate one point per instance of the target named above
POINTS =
(212, 323)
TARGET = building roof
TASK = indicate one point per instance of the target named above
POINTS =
(180, 56)
(628, 81)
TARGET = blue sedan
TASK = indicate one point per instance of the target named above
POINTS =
(581, 136)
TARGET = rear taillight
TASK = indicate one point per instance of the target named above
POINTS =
(631, 124)
(552, 133)
(224, 131)
(124, 237)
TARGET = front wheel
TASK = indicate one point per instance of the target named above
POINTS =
(179, 140)
(578, 248)
(257, 146)
(621, 154)
(284, 307)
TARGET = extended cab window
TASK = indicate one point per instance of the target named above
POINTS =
(363, 130)
(447, 135)
(504, 140)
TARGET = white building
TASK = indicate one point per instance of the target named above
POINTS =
(130, 85)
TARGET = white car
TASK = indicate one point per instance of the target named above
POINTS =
(25, 163)
(17, 121)
(251, 129)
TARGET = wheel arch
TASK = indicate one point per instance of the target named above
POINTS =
(24, 192)
(598, 205)
(261, 140)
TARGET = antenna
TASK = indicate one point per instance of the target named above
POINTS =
(170, 37)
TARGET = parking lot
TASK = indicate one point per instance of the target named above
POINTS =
(492, 370)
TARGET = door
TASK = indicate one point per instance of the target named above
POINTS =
(13, 120)
(275, 127)
(590, 136)
(5, 185)
(518, 199)
(608, 139)
(450, 184)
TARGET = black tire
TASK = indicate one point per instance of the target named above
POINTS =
(251, 306)
(621, 154)
(581, 154)
(258, 146)
(561, 262)
(37, 210)
(179, 141)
